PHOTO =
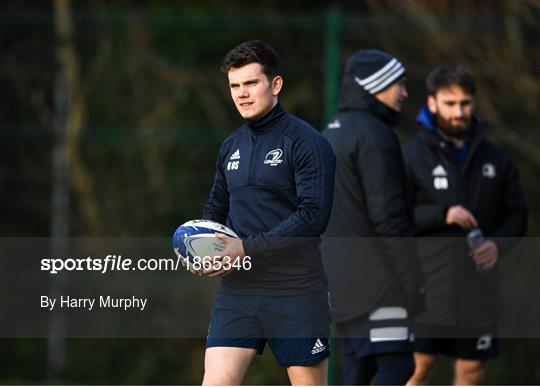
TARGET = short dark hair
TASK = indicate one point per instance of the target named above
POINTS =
(451, 74)
(253, 51)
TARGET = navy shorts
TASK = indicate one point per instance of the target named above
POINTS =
(471, 343)
(297, 328)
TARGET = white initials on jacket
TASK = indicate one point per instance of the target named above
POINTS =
(232, 165)
(440, 177)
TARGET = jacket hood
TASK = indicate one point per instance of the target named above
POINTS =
(354, 97)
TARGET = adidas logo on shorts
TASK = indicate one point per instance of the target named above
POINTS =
(318, 347)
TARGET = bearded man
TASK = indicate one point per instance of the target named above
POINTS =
(469, 209)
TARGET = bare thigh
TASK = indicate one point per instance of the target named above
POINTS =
(468, 372)
(422, 370)
(226, 365)
(313, 375)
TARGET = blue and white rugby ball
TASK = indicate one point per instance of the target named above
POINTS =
(196, 239)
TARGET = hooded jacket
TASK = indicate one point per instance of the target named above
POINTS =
(368, 249)
(486, 182)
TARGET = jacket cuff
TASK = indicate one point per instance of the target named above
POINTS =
(444, 213)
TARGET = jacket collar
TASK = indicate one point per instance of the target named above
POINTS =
(428, 120)
(354, 97)
(431, 135)
(267, 122)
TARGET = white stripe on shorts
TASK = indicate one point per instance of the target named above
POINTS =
(388, 313)
(388, 334)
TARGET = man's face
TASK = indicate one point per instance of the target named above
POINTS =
(454, 108)
(251, 90)
(394, 95)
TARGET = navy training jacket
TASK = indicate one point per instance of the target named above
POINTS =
(274, 187)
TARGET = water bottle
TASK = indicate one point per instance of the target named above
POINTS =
(475, 238)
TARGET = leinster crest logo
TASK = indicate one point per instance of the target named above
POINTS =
(273, 157)
(488, 170)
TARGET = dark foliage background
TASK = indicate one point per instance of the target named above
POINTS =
(144, 108)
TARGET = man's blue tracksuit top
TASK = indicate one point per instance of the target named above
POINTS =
(274, 187)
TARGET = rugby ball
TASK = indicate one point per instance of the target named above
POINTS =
(196, 239)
